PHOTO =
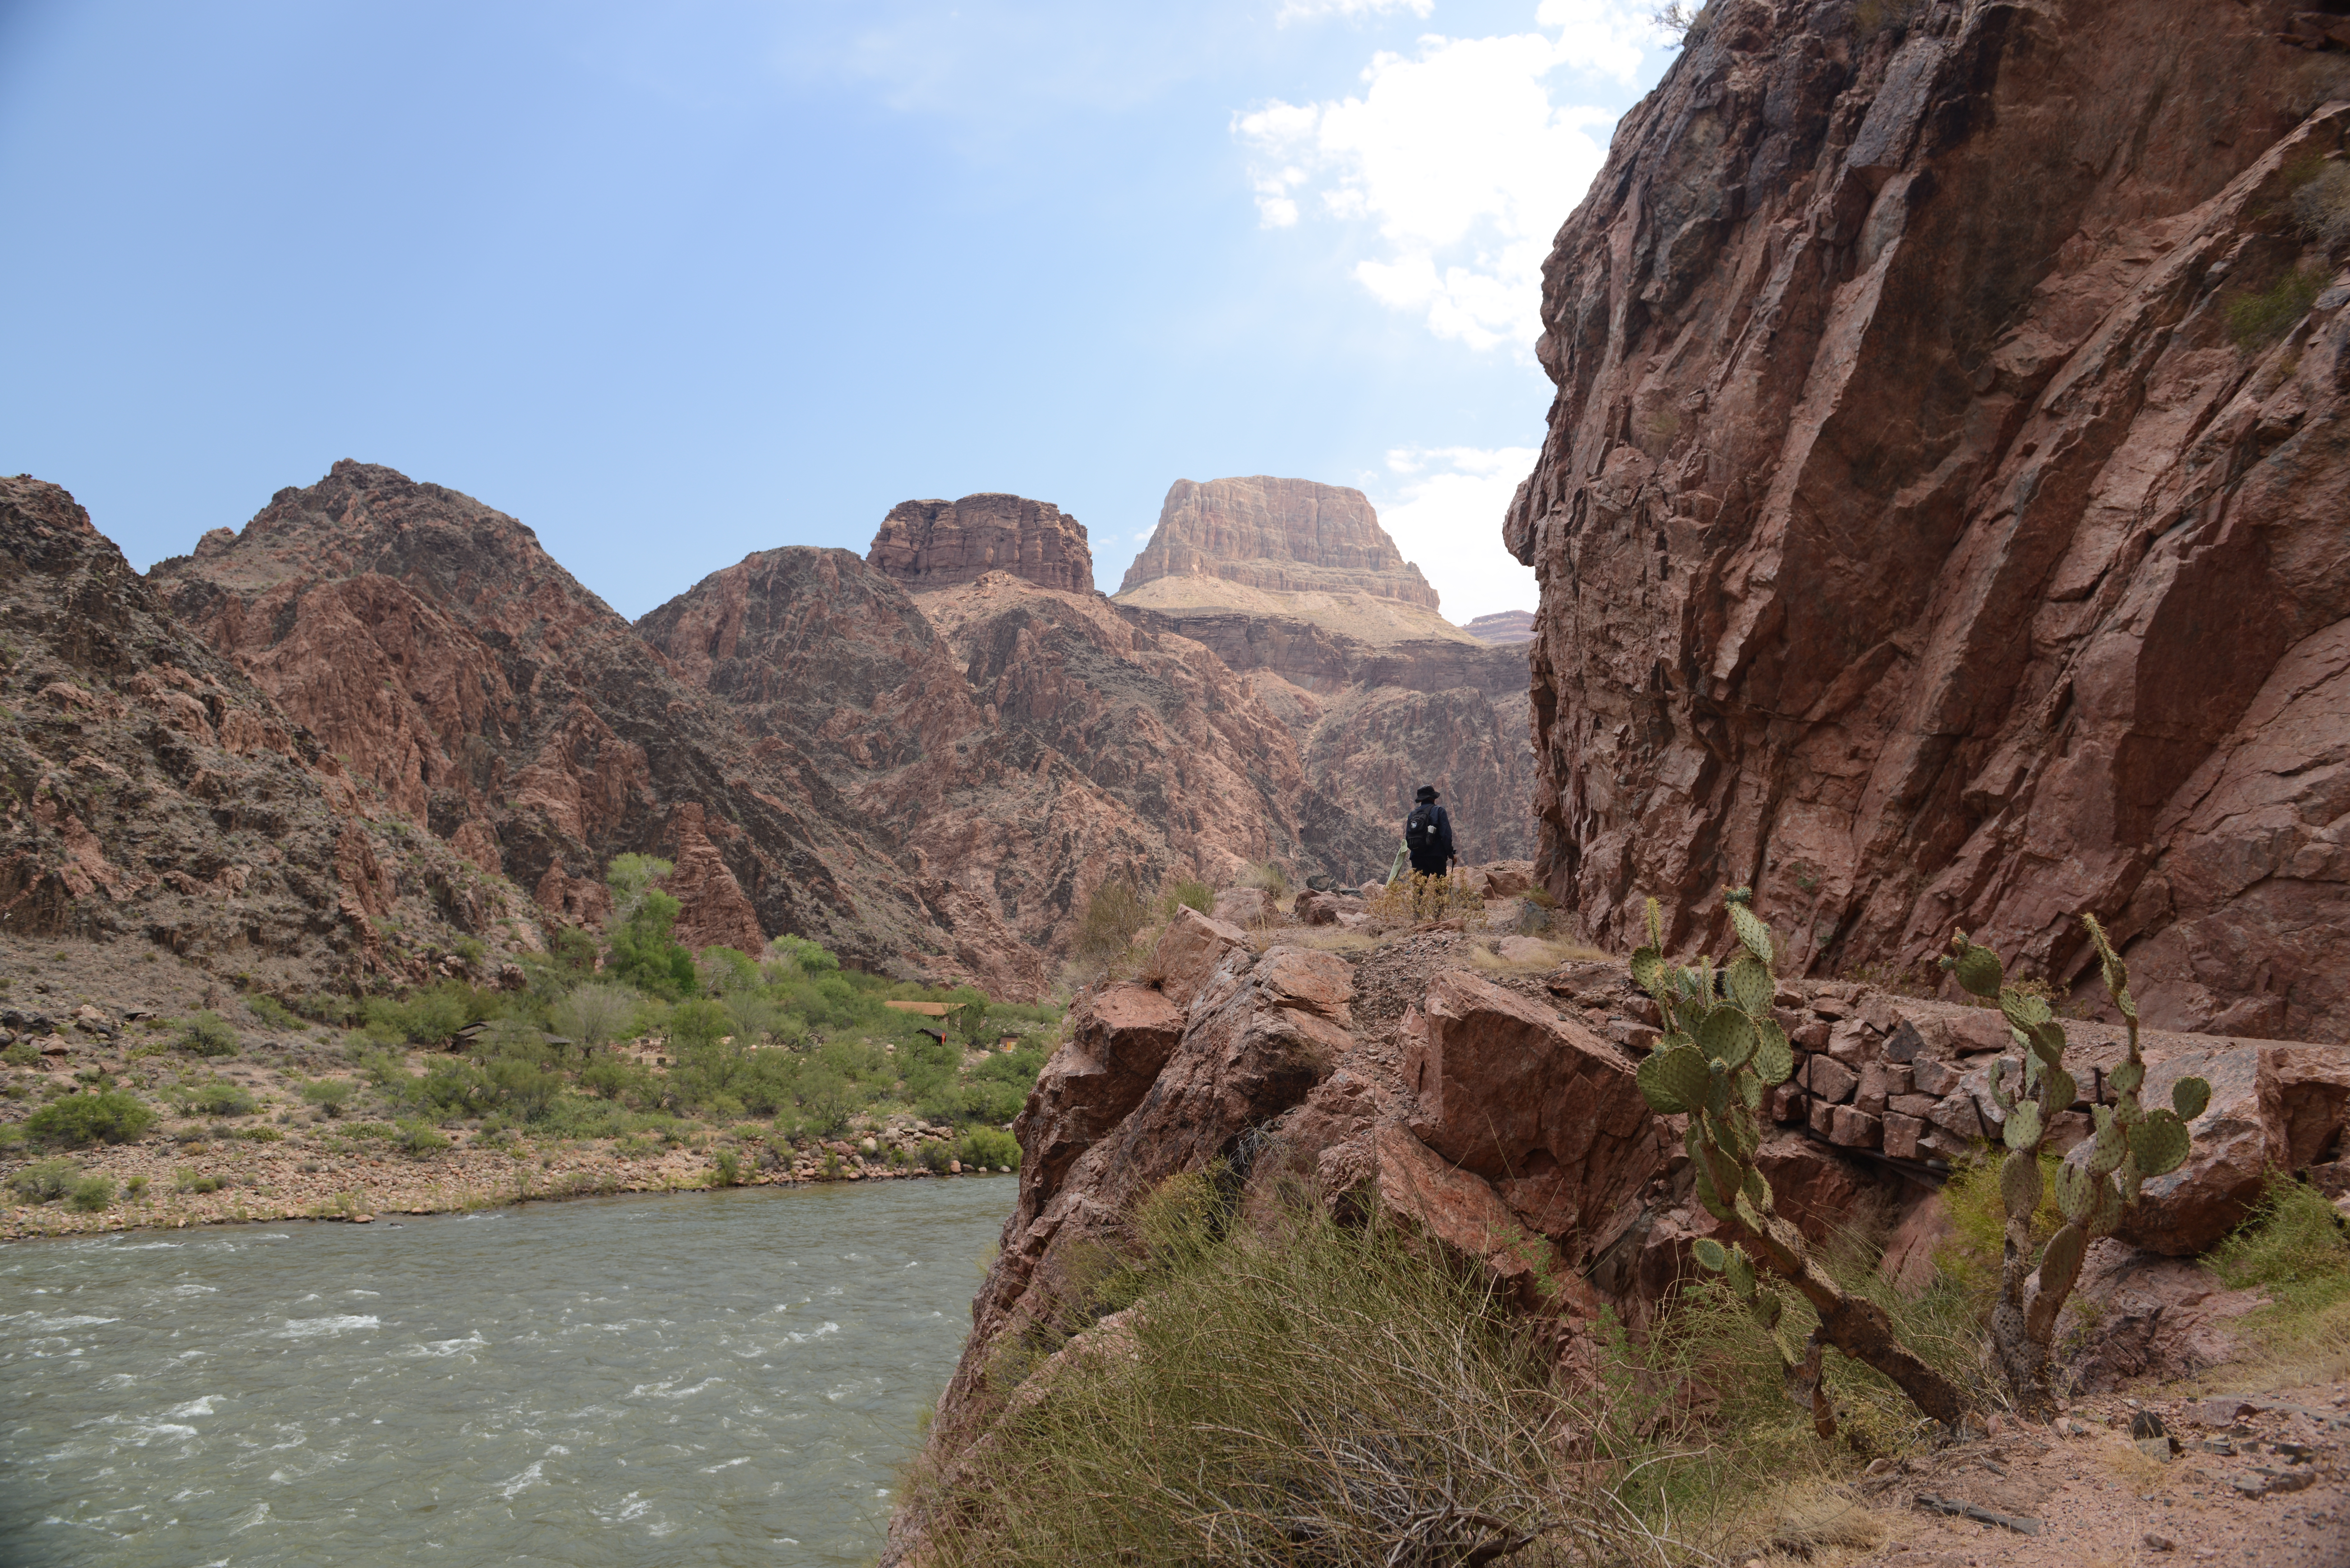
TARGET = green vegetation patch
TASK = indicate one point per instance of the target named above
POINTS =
(113, 1116)
(2257, 320)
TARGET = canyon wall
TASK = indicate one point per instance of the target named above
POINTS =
(430, 642)
(149, 788)
(1942, 518)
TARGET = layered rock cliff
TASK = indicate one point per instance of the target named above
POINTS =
(1942, 519)
(1282, 536)
(153, 790)
(941, 543)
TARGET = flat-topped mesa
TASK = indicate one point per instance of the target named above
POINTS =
(938, 543)
(1503, 627)
(1288, 535)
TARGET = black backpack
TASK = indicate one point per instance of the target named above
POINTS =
(1420, 827)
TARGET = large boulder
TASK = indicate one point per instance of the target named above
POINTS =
(1119, 1038)
(1188, 952)
(1536, 1104)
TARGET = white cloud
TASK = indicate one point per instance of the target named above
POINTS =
(1462, 159)
(1443, 506)
(1307, 10)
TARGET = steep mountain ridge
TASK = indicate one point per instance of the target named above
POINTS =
(153, 790)
(432, 642)
(1942, 517)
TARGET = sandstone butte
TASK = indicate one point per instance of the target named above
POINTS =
(1918, 542)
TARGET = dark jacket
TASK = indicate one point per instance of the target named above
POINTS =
(1432, 860)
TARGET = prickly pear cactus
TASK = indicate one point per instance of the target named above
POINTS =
(1720, 1053)
(2131, 1142)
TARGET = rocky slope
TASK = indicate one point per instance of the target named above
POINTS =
(1942, 518)
(1012, 745)
(431, 643)
(945, 541)
(1498, 1117)
(1374, 722)
(153, 790)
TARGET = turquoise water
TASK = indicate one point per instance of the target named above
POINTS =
(719, 1378)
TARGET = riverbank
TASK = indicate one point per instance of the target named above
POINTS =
(164, 1185)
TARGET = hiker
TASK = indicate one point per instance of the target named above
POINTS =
(1428, 835)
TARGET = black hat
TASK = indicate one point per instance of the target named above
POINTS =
(1427, 791)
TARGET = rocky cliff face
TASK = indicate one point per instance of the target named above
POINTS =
(1283, 536)
(429, 641)
(1011, 745)
(1503, 626)
(1499, 1119)
(1942, 519)
(152, 789)
(1374, 722)
(936, 544)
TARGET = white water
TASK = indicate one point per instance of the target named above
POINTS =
(726, 1378)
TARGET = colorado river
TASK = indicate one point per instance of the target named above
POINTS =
(726, 1378)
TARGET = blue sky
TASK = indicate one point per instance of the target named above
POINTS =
(674, 283)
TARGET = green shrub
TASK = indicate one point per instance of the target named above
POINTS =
(332, 1096)
(44, 1182)
(136, 1187)
(21, 1055)
(1187, 895)
(271, 1014)
(219, 1097)
(1318, 1387)
(186, 1181)
(1113, 917)
(594, 1015)
(987, 1147)
(2257, 320)
(728, 1169)
(208, 1035)
(420, 1137)
(934, 1156)
(116, 1115)
(802, 954)
(91, 1194)
(2292, 1247)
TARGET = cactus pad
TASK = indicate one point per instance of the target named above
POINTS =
(1675, 1079)
(1727, 1036)
(2127, 1077)
(2076, 1191)
(1710, 1254)
(2060, 1265)
(2022, 1009)
(1999, 1095)
(1978, 970)
(2161, 1143)
(1765, 1306)
(2047, 1040)
(1752, 934)
(1757, 1190)
(1775, 1058)
(2019, 1183)
(2062, 1091)
(1750, 985)
(2108, 1212)
(1741, 1273)
(2022, 1130)
(2189, 1096)
(1648, 969)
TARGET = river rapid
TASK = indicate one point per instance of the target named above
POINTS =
(729, 1377)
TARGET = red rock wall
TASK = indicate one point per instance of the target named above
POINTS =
(1291, 535)
(1915, 542)
(934, 544)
